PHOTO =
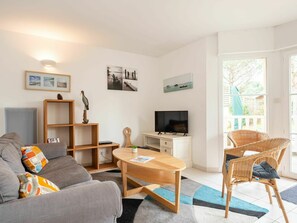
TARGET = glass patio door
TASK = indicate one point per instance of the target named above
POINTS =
(244, 96)
(290, 168)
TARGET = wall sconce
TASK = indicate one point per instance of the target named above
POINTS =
(48, 63)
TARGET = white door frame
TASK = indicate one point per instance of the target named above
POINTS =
(286, 165)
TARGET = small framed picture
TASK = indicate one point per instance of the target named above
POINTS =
(35, 80)
(53, 140)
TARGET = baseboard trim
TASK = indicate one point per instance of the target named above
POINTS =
(207, 169)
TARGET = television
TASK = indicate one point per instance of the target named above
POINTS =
(171, 122)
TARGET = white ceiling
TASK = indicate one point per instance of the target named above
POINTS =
(150, 27)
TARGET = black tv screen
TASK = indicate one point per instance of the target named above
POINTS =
(171, 121)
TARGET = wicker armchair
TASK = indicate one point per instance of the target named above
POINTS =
(243, 137)
(240, 168)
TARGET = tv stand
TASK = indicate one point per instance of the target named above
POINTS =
(176, 145)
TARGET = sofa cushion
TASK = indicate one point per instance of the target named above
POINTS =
(57, 164)
(9, 183)
(14, 139)
(33, 158)
(67, 176)
(262, 170)
(53, 150)
(33, 185)
(9, 154)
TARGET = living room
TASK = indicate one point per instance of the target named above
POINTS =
(85, 40)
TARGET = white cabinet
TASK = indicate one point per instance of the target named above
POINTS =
(175, 145)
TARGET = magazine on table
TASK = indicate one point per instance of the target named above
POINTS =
(142, 159)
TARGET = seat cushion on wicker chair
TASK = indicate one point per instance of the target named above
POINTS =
(262, 170)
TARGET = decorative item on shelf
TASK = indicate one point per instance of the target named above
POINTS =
(86, 103)
(134, 149)
(59, 97)
(53, 140)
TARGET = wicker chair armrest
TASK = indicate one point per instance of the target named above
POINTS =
(239, 151)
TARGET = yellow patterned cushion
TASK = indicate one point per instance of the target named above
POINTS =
(33, 158)
(33, 185)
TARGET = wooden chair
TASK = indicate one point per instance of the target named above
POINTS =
(243, 137)
(127, 137)
(238, 168)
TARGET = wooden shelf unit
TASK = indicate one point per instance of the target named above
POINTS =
(69, 127)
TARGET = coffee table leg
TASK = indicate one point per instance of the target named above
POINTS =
(124, 177)
(177, 190)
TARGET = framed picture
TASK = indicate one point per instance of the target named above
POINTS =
(122, 78)
(35, 80)
(53, 140)
(178, 83)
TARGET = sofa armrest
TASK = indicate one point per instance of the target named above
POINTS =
(88, 203)
(53, 150)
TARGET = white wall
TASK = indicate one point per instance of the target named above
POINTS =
(189, 59)
(286, 35)
(212, 106)
(243, 41)
(113, 110)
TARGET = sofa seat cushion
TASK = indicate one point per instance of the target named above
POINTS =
(9, 183)
(11, 156)
(67, 176)
(57, 164)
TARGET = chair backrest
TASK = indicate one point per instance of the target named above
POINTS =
(243, 137)
(274, 147)
(127, 136)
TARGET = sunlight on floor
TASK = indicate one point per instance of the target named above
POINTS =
(252, 192)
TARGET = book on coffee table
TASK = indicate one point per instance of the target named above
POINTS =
(142, 159)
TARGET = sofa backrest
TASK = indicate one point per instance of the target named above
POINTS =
(10, 152)
(9, 183)
(10, 166)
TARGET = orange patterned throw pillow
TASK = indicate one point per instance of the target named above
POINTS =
(33, 185)
(33, 158)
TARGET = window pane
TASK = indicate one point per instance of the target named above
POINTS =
(244, 112)
(294, 74)
(293, 113)
(248, 76)
(244, 105)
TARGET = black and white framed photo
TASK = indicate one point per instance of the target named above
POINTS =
(122, 78)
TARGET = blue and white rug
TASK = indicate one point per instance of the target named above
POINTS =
(198, 204)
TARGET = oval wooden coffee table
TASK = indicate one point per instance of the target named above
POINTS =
(162, 170)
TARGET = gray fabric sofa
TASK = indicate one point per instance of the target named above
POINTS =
(81, 199)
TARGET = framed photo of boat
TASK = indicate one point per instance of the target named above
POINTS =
(178, 83)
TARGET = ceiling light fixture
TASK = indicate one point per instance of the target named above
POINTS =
(48, 63)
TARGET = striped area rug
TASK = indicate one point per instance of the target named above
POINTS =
(198, 203)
